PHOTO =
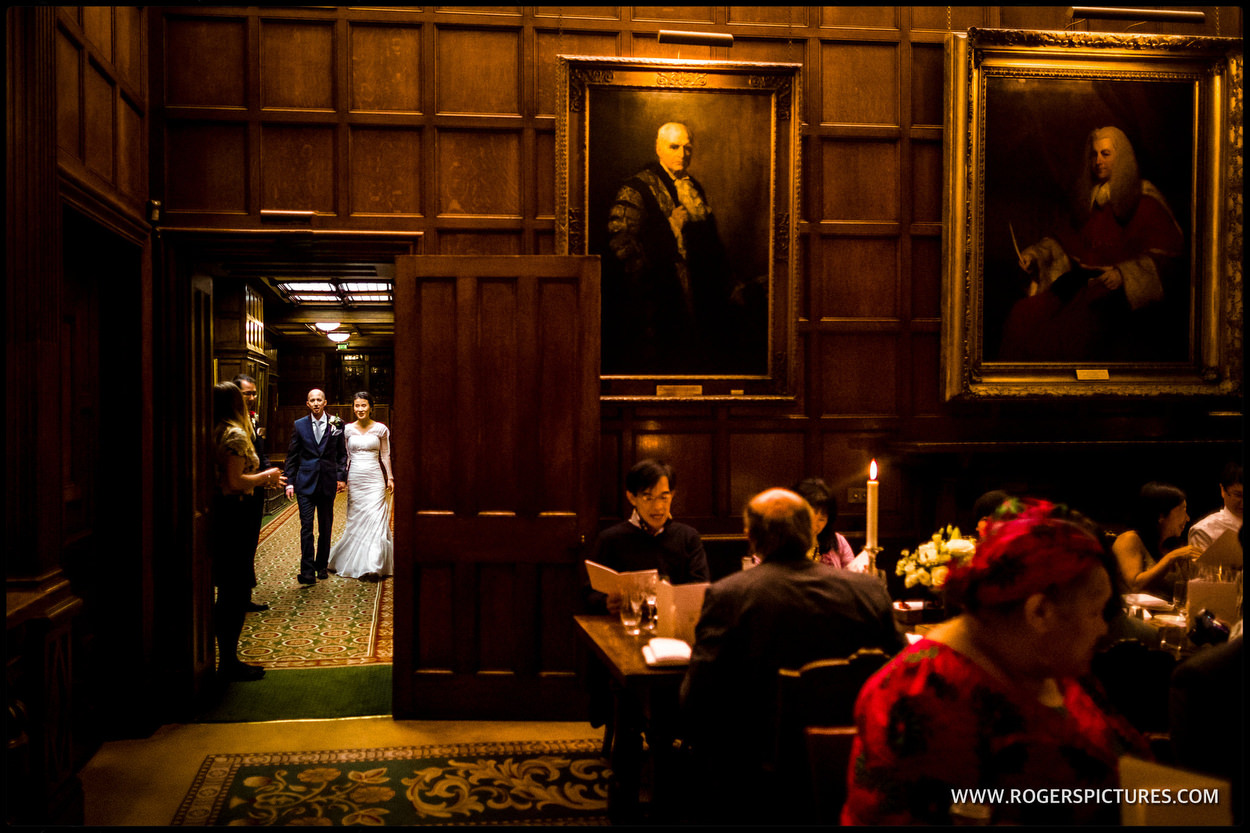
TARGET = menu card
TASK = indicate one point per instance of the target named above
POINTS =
(1224, 551)
(1219, 597)
(678, 608)
(609, 581)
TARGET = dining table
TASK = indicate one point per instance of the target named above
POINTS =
(645, 735)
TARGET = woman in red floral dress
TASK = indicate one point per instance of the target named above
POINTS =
(990, 699)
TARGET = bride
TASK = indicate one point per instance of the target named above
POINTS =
(366, 549)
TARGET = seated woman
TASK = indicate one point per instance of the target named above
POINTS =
(991, 698)
(831, 547)
(1159, 516)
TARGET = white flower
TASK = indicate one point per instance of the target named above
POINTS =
(961, 546)
(927, 553)
(939, 575)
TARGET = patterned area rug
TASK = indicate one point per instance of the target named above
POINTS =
(532, 782)
(340, 621)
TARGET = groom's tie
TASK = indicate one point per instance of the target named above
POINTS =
(317, 431)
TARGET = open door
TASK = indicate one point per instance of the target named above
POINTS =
(497, 393)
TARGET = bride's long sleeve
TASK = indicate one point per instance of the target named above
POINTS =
(384, 452)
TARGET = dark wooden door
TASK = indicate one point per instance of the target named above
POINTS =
(495, 451)
(200, 329)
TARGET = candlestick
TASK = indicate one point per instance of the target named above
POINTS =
(873, 485)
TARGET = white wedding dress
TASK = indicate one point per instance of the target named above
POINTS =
(366, 548)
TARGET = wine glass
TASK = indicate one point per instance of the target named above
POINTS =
(649, 612)
(631, 610)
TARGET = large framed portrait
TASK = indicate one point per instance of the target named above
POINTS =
(1092, 215)
(682, 176)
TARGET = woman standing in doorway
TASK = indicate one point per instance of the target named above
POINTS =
(235, 527)
(366, 549)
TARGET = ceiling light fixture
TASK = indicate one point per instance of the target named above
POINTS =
(338, 338)
(327, 326)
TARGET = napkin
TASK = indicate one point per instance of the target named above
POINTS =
(664, 651)
(1147, 601)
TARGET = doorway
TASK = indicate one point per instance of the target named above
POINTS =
(325, 649)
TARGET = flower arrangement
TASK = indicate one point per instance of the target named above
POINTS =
(930, 563)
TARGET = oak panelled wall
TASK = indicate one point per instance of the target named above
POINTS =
(441, 120)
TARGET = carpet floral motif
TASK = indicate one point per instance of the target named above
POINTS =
(559, 782)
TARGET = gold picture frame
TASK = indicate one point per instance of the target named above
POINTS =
(698, 275)
(1064, 275)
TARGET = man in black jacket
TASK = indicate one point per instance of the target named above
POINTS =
(784, 613)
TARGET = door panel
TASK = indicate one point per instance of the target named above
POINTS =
(497, 376)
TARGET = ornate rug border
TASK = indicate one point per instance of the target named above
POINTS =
(209, 788)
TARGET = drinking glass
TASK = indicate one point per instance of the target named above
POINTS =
(1180, 592)
(1180, 589)
(648, 618)
(1172, 639)
(631, 610)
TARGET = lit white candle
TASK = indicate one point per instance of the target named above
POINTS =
(873, 485)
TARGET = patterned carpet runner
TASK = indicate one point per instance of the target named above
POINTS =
(532, 782)
(339, 621)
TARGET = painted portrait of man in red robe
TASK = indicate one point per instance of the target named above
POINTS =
(1097, 282)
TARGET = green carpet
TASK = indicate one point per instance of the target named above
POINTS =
(303, 693)
(521, 783)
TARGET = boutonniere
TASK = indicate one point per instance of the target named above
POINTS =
(335, 422)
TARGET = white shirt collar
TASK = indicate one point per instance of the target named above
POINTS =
(636, 520)
(674, 176)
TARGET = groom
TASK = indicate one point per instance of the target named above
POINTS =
(316, 470)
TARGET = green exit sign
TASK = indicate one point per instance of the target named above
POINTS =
(342, 346)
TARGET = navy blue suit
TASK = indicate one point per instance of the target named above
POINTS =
(315, 471)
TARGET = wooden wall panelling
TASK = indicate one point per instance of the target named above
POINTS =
(478, 173)
(692, 453)
(386, 68)
(297, 168)
(41, 786)
(385, 172)
(459, 105)
(98, 118)
(206, 168)
(102, 109)
(205, 62)
(297, 65)
(478, 71)
(69, 95)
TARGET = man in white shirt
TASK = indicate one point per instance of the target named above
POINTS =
(1205, 532)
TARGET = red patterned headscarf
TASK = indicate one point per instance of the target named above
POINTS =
(1029, 548)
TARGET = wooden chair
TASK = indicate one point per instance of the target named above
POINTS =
(821, 693)
(828, 757)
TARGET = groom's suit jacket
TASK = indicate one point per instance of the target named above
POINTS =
(316, 469)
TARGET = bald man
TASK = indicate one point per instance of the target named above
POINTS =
(316, 471)
(667, 282)
(783, 613)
